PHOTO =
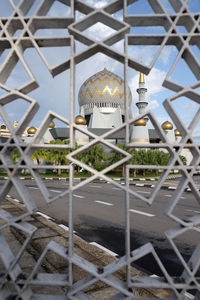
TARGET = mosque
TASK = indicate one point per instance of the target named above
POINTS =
(101, 102)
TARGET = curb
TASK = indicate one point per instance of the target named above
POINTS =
(163, 187)
(96, 180)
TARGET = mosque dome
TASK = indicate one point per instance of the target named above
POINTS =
(167, 125)
(52, 124)
(105, 90)
(79, 120)
(31, 130)
(140, 122)
(177, 132)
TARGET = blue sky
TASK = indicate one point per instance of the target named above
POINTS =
(53, 93)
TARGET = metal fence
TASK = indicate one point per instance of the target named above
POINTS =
(19, 19)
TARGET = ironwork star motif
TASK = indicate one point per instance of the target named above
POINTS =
(27, 38)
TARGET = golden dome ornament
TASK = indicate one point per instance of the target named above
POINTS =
(177, 132)
(167, 125)
(52, 124)
(140, 122)
(31, 130)
(80, 120)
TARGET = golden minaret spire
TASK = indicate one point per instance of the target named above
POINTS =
(141, 78)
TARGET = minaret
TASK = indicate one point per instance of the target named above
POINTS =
(141, 104)
(140, 133)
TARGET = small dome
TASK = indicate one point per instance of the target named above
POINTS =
(3, 126)
(140, 122)
(167, 125)
(79, 120)
(177, 132)
(52, 125)
(31, 130)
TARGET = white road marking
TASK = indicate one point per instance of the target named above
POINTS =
(105, 203)
(64, 227)
(139, 184)
(115, 188)
(96, 186)
(55, 191)
(16, 200)
(103, 248)
(182, 197)
(167, 195)
(78, 196)
(143, 192)
(33, 188)
(141, 213)
(196, 211)
(43, 215)
(190, 296)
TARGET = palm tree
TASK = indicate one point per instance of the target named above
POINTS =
(15, 155)
(94, 156)
(115, 156)
(39, 155)
(58, 156)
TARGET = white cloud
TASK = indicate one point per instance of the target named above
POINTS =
(166, 54)
(97, 3)
(190, 107)
(153, 83)
(145, 54)
(99, 31)
(153, 104)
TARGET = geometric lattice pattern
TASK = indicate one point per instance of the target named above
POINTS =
(27, 39)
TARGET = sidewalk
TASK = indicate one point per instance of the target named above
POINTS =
(49, 231)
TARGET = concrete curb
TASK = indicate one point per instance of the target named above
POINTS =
(164, 187)
(83, 178)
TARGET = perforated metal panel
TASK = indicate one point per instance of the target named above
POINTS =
(19, 19)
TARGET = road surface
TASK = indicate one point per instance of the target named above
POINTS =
(99, 216)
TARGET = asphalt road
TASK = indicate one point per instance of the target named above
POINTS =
(99, 215)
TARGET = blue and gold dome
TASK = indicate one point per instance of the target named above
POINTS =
(104, 89)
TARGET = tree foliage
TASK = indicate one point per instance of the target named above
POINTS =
(143, 157)
(96, 158)
(58, 156)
